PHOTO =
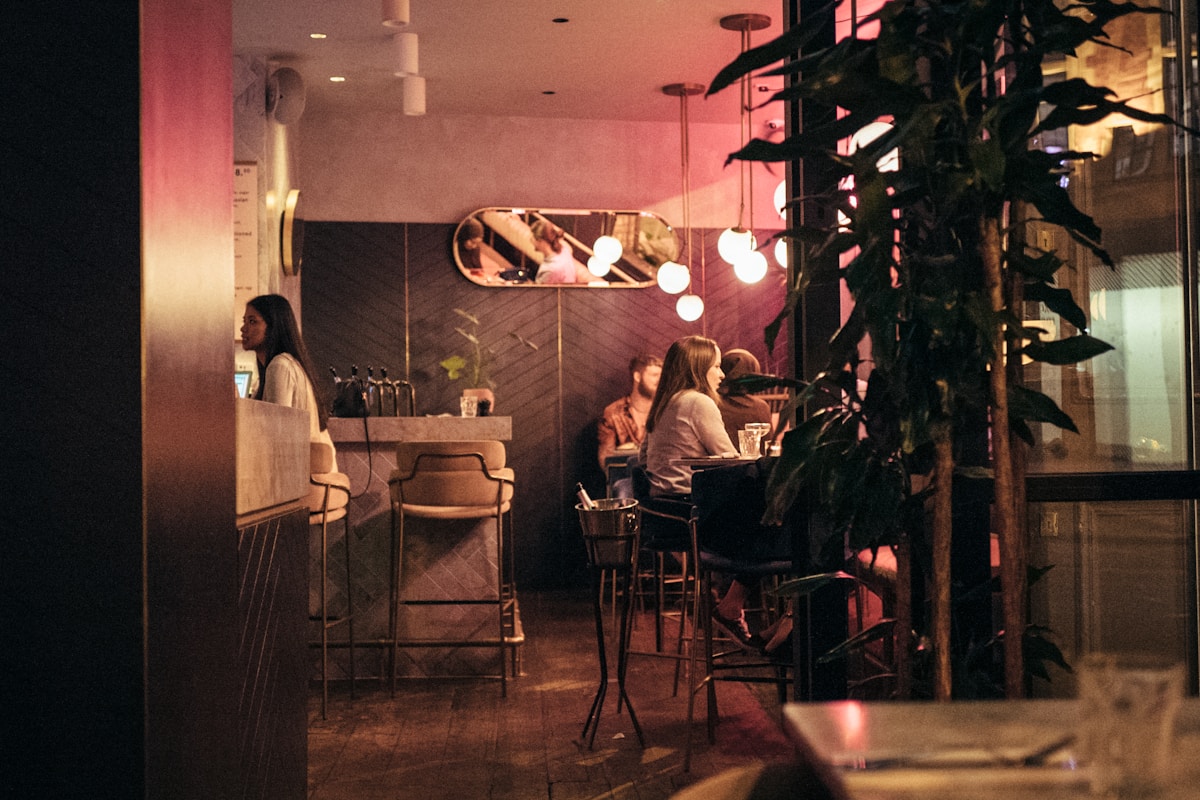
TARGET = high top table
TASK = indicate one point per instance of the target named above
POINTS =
(958, 750)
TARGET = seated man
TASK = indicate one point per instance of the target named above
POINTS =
(623, 423)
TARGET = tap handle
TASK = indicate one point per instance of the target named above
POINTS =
(354, 370)
(383, 373)
(333, 372)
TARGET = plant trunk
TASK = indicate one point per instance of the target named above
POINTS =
(904, 620)
(943, 526)
(1012, 561)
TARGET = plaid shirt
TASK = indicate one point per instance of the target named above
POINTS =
(618, 427)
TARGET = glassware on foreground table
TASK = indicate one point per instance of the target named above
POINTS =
(747, 443)
(468, 406)
(760, 431)
(1128, 704)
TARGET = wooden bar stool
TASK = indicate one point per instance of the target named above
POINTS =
(328, 501)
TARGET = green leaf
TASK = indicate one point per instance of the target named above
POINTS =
(1066, 351)
(809, 583)
(454, 366)
(1027, 404)
(1060, 301)
(880, 630)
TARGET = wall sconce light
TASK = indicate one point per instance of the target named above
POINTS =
(396, 13)
(414, 95)
(404, 48)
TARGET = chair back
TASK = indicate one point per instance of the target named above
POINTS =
(455, 474)
(666, 525)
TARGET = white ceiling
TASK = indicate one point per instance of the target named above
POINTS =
(498, 57)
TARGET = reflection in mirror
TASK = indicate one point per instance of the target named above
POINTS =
(554, 247)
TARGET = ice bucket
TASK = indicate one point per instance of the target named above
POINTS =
(610, 532)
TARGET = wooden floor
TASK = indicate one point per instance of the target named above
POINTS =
(458, 739)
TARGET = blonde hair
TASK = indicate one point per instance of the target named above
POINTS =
(686, 367)
(548, 232)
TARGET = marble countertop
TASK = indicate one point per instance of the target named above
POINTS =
(347, 430)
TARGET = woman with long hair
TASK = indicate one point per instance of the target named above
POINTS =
(285, 374)
(685, 422)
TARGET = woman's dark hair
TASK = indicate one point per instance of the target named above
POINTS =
(283, 336)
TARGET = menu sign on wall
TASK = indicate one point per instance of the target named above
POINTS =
(245, 240)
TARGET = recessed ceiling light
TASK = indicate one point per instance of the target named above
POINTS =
(317, 36)
(337, 79)
(549, 91)
(560, 20)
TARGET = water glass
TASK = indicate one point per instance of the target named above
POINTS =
(748, 444)
(1127, 710)
(468, 406)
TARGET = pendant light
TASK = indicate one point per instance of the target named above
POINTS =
(404, 51)
(690, 306)
(737, 244)
(396, 13)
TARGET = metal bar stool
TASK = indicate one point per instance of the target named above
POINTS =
(328, 501)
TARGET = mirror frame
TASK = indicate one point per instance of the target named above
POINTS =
(504, 254)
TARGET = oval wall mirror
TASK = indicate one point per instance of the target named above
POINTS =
(563, 247)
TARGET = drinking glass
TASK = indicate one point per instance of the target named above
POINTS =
(747, 444)
(468, 406)
(1127, 710)
(760, 430)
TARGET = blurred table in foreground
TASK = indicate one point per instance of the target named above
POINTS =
(957, 750)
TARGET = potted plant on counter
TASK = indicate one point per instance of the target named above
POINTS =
(472, 365)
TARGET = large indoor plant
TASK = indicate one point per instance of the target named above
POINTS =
(917, 393)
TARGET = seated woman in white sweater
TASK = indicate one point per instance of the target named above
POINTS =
(685, 422)
(269, 329)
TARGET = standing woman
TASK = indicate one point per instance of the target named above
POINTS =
(285, 373)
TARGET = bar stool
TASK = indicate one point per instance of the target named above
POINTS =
(453, 481)
(328, 501)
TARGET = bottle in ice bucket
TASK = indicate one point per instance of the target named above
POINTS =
(583, 496)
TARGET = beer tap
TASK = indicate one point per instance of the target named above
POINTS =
(387, 387)
(374, 395)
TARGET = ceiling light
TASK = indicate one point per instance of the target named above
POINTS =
(737, 242)
(781, 252)
(689, 307)
(396, 13)
(337, 78)
(674, 279)
(608, 249)
(751, 267)
(598, 266)
(414, 95)
(317, 36)
(404, 51)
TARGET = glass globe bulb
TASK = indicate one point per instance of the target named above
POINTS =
(781, 252)
(608, 248)
(689, 307)
(598, 266)
(780, 199)
(673, 277)
(735, 242)
(751, 267)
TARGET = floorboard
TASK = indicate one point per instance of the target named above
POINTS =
(459, 739)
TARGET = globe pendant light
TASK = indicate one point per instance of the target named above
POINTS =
(674, 277)
(608, 249)
(689, 307)
(751, 267)
(737, 242)
(598, 266)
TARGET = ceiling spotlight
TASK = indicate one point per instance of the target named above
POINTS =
(396, 13)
